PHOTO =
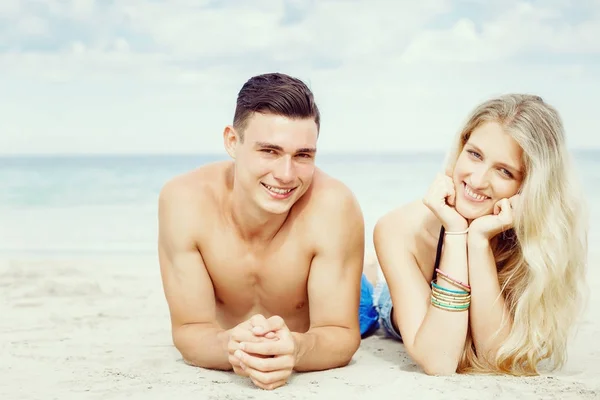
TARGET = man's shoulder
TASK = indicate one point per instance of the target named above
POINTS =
(330, 196)
(330, 207)
(197, 185)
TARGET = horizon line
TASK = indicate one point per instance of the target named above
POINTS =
(224, 154)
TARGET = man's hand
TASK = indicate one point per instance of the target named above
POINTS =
(243, 333)
(269, 363)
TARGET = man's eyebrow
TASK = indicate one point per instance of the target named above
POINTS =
(504, 165)
(307, 150)
(268, 146)
(271, 146)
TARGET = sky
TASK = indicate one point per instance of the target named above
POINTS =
(156, 76)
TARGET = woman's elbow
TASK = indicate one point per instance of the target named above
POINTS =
(439, 367)
(435, 366)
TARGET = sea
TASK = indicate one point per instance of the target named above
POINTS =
(88, 205)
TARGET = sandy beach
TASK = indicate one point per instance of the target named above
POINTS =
(105, 102)
(98, 328)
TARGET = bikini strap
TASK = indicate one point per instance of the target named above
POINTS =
(438, 254)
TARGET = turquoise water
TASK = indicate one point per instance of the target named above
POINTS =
(107, 204)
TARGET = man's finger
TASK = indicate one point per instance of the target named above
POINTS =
(272, 324)
(234, 345)
(257, 320)
(264, 364)
(267, 348)
(259, 324)
(271, 386)
(237, 367)
(275, 323)
(240, 334)
(268, 380)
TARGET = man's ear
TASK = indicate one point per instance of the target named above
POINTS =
(230, 140)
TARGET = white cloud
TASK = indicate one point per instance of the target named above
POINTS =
(30, 25)
(147, 75)
(9, 8)
(517, 29)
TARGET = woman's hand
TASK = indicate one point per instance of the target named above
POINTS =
(488, 226)
(441, 199)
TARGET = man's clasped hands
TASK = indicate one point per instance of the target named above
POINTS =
(264, 350)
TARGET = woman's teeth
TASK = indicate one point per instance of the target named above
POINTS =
(473, 195)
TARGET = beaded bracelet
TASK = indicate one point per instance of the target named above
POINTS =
(452, 291)
(450, 305)
(449, 299)
(447, 309)
(452, 280)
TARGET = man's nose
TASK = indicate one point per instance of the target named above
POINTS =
(285, 170)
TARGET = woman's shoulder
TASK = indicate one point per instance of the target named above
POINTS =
(405, 221)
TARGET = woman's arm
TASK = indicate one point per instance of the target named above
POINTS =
(490, 320)
(433, 337)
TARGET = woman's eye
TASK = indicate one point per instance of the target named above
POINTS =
(474, 153)
(506, 172)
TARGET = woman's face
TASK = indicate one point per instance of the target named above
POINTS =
(488, 169)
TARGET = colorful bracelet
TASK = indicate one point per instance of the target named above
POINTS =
(446, 290)
(449, 299)
(449, 309)
(449, 305)
(452, 280)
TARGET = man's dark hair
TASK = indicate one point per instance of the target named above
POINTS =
(277, 94)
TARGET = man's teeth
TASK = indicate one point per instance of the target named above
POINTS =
(474, 195)
(277, 190)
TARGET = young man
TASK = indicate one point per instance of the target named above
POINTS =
(261, 257)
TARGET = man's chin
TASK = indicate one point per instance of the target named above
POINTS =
(277, 208)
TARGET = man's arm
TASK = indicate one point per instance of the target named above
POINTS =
(187, 286)
(334, 287)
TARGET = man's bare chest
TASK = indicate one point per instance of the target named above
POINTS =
(245, 273)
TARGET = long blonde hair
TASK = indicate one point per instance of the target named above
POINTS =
(541, 262)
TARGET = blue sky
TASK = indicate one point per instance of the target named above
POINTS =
(89, 76)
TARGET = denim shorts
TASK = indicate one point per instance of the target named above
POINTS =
(367, 314)
(383, 303)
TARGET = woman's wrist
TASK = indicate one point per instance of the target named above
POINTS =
(456, 228)
(477, 239)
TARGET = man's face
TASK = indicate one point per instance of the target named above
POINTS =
(276, 161)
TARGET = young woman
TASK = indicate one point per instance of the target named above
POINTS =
(486, 272)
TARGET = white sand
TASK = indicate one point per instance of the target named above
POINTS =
(100, 330)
